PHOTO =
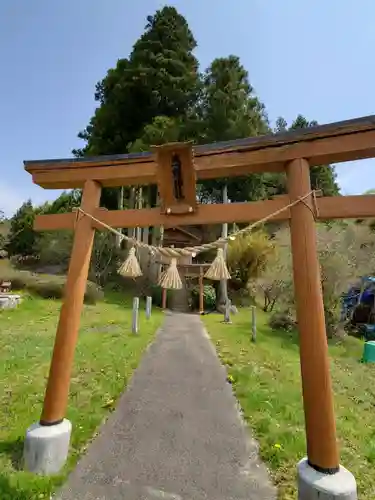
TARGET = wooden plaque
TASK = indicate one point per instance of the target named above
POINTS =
(176, 178)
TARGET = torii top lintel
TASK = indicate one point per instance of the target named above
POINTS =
(332, 143)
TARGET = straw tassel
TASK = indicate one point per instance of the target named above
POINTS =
(170, 278)
(218, 269)
(130, 268)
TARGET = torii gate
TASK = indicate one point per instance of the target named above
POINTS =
(175, 168)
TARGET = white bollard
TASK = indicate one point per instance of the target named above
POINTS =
(253, 324)
(135, 315)
(148, 307)
(227, 312)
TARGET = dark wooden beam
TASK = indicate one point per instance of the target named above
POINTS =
(337, 142)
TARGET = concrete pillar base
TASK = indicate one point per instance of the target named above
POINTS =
(46, 448)
(313, 485)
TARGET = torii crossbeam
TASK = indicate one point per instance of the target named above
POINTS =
(292, 152)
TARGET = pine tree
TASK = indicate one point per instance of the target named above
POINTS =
(322, 177)
(22, 238)
(160, 78)
(229, 109)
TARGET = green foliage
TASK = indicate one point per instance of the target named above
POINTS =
(22, 238)
(324, 176)
(345, 252)
(46, 286)
(229, 110)
(267, 383)
(248, 256)
(157, 95)
(54, 248)
(282, 321)
(105, 359)
(229, 107)
(209, 297)
(63, 203)
(24, 241)
(105, 258)
(162, 129)
(160, 78)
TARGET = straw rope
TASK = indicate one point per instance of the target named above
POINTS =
(188, 251)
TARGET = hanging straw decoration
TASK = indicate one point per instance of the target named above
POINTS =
(130, 268)
(218, 269)
(170, 278)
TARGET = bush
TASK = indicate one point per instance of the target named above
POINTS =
(46, 286)
(209, 297)
(346, 252)
(248, 256)
(282, 321)
(54, 248)
(20, 279)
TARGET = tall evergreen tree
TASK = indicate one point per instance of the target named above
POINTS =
(160, 78)
(22, 238)
(322, 177)
(230, 110)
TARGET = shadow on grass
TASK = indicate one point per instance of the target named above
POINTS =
(119, 298)
(14, 450)
(290, 338)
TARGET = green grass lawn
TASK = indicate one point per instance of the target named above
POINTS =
(266, 381)
(107, 354)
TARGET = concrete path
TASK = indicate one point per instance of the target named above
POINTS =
(176, 433)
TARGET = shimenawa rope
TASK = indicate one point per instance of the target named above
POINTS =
(170, 278)
(188, 251)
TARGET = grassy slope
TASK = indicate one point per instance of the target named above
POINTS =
(266, 380)
(107, 354)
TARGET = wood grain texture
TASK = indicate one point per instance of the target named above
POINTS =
(320, 424)
(333, 207)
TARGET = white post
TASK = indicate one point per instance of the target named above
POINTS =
(227, 311)
(135, 315)
(224, 233)
(253, 324)
(148, 307)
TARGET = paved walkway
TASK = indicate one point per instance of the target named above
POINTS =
(176, 433)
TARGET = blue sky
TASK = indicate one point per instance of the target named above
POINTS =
(312, 57)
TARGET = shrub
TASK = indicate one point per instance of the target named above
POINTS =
(248, 256)
(22, 238)
(54, 248)
(346, 252)
(209, 297)
(282, 321)
(20, 279)
(47, 286)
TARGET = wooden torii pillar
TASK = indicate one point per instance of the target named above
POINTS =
(57, 391)
(292, 152)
